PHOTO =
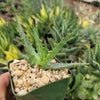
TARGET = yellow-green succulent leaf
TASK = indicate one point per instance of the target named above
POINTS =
(2, 22)
(30, 20)
(51, 14)
(3, 61)
(36, 19)
(10, 55)
(83, 22)
(31, 53)
(13, 49)
(43, 12)
(57, 11)
(4, 68)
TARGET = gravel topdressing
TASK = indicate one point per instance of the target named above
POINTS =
(26, 78)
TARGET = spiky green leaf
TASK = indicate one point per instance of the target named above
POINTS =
(37, 41)
(32, 55)
(88, 58)
(70, 51)
(62, 65)
(78, 80)
(97, 52)
(53, 53)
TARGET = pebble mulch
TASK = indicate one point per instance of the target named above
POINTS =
(26, 78)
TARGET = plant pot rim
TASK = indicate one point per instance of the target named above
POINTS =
(12, 86)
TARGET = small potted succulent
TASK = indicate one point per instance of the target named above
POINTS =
(37, 77)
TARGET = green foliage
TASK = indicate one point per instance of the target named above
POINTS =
(84, 87)
(88, 89)
(65, 25)
(41, 57)
(93, 57)
(85, 83)
(72, 87)
(33, 56)
(26, 7)
(8, 51)
(26, 22)
(49, 4)
(44, 14)
(19, 6)
(63, 65)
(78, 80)
(5, 38)
(50, 30)
(90, 34)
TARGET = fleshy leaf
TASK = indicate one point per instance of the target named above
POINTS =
(33, 56)
(37, 41)
(53, 53)
(62, 65)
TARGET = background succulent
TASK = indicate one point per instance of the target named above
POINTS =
(65, 25)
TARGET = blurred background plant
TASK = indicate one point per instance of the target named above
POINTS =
(8, 50)
(45, 15)
(10, 7)
(86, 78)
(64, 25)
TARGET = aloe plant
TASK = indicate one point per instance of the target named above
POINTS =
(44, 15)
(42, 57)
(90, 34)
(48, 5)
(65, 26)
(44, 20)
(26, 22)
(93, 57)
